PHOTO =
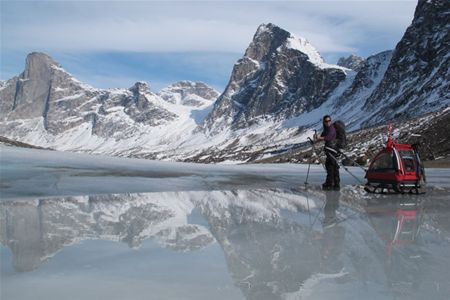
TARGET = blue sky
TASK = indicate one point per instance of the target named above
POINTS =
(111, 44)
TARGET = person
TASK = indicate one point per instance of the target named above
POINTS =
(331, 164)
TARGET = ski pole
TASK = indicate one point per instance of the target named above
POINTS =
(315, 152)
(340, 152)
(345, 168)
(307, 173)
(353, 162)
(309, 164)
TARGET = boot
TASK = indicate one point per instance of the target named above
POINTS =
(336, 180)
(327, 186)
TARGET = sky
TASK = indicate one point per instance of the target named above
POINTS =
(113, 44)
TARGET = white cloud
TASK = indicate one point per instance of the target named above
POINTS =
(127, 35)
(331, 26)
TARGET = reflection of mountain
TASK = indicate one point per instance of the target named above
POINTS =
(275, 251)
(276, 248)
(267, 253)
(277, 244)
(37, 230)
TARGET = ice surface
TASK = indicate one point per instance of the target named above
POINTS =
(29, 173)
(76, 226)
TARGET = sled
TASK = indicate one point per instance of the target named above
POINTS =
(397, 168)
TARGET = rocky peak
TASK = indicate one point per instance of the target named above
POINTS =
(267, 39)
(189, 93)
(39, 65)
(189, 85)
(353, 62)
(140, 87)
(270, 38)
(29, 95)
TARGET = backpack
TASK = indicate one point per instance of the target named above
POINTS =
(341, 137)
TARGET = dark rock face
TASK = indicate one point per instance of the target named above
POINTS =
(141, 110)
(353, 62)
(30, 94)
(275, 78)
(417, 79)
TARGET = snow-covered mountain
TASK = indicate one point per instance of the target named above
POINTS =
(353, 62)
(418, 77)
(46, 106)
(276, 96)
(279, 76)
(350, 105)
(189, 93)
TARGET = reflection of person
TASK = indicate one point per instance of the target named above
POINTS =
(330, 208)
(333, 237)
(329, 136)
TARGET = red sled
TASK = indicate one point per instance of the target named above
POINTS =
(396, 168)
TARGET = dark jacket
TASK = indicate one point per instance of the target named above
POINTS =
(329, 134)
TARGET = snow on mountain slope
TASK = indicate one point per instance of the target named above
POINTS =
(349, 106)
(46, 106)
(313, 118)
(189, 93)
(417, 78)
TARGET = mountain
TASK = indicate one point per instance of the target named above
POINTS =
(29, 95)
(407, 82)
(46, 106)
(349, 106)
(189, 93)
(353, 62)
(278, 77)
(417, 79)
(277, 94)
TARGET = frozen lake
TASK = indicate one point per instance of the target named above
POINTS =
(76, 226)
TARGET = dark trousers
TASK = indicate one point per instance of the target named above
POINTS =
(332, 167)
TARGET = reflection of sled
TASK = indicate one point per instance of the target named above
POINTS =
(396, 169)
(404, 228)
(407, 227)
(398, 224)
